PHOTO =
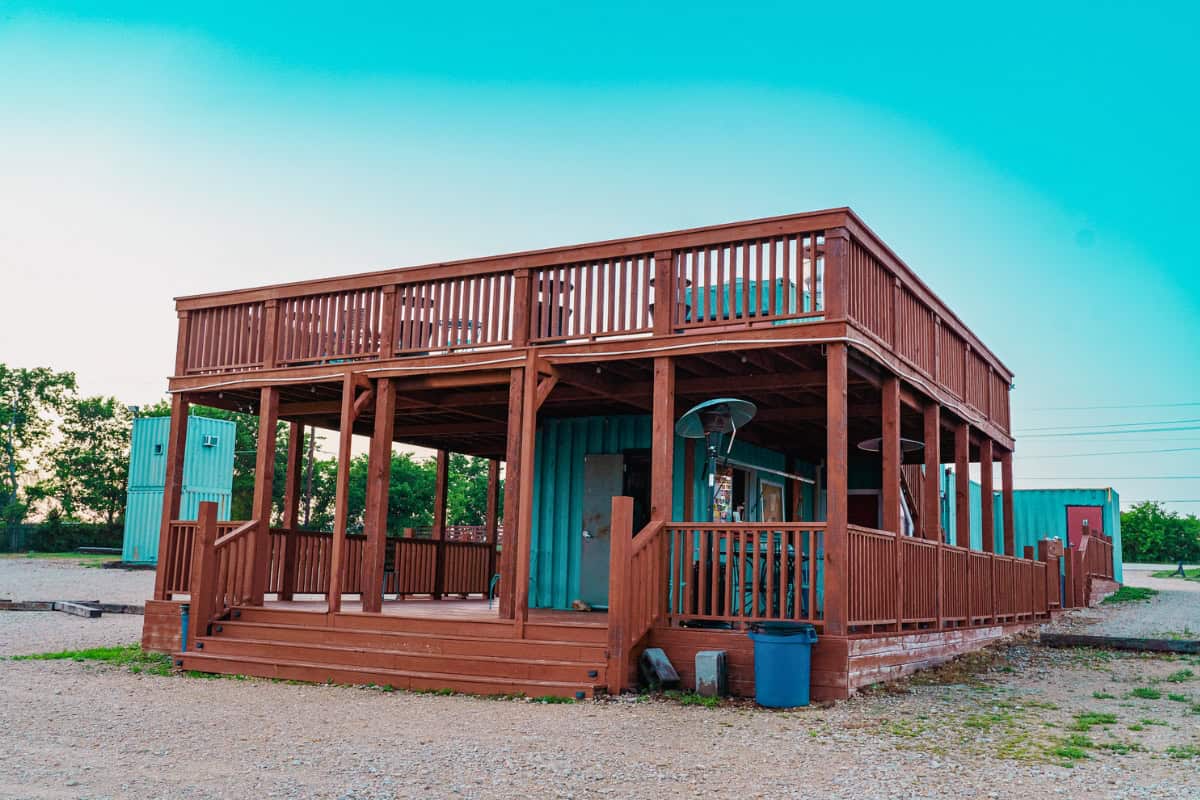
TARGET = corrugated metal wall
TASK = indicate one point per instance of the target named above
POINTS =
(207, 475)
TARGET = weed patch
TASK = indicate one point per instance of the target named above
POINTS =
(1146, 693)
(1130, 594)
(126, 655)
(1089, 719)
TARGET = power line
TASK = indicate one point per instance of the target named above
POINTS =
(1114, 453)
(1135, 502)
(1110, 425)
(1112, 478)
(1109, 433)
(1102, 408)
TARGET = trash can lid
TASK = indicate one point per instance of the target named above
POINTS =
(781, 628)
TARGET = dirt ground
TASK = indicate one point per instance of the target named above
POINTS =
(1018, 722)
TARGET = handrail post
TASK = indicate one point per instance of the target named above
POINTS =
(619, 555)
(837, 295)
(204, 573)
(173, 489)
(665, 301)
(522, 304)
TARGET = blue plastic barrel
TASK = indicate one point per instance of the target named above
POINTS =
(782, 662)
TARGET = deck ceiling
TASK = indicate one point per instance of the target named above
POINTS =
(787, 385)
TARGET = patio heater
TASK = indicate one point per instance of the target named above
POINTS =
(710, 421)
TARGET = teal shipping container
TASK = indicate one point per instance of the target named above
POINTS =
(207, 476)
(1037, 514)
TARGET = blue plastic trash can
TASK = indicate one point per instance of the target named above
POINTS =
(782, 661)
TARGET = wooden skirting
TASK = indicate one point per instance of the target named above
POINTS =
(840, 664)
(161, 626)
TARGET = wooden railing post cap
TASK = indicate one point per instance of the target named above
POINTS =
(837, 233)
(182, 313)
(389, 288)
(664, 255)
(521, 272)
(271, 302)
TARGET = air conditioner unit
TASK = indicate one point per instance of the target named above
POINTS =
(210, 440)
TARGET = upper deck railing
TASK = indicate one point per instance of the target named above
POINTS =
(786, 270)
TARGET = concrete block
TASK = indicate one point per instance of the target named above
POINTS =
(712, 678)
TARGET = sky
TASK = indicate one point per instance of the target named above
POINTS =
(1034, 163)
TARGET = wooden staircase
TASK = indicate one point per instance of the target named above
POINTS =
(472, 656)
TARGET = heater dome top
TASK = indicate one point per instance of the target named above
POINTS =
(720, 415)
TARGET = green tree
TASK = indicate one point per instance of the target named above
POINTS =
(1151, 533)
(29, 401)
(88, 466)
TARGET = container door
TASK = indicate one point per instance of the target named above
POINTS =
(603, 479)
(1077, 516)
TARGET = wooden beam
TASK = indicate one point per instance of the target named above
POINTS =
(264, 484)
(1006, 475)
(931, 513)
(986, 500)
(375, 515)
(962, 485)
(512, 492)
(173, 489)
(891, 453)
(662, 440)
(545, 387)
(341, 502)
(837, 499)
(362, 401)
(291, 509)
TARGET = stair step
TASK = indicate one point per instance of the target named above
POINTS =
(416, 642)
(400, 679)
(526, 668)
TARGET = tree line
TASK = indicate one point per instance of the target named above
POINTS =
(1152, 534)
(65, 457)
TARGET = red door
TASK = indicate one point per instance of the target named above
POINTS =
(863, 510)
(1077, 516)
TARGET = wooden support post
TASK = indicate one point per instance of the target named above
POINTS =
(662, 442)
(837, 297)
(489, 518)
(264, 485)
(962, 485)
(891, 454)
(620, 554)
(291, 509)
(512, 495)
(525, 543)
(270, 333)
(891, 485)
(341, 501)
(379, 479)
(204, 574)
(987, 503)
(1006, 476)
(173, 490)
(837, 500)
(387, 324)
(440, 487)
(182, 344)
(931, 500)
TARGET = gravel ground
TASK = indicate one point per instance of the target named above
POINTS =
(52, 579)
(986, 726)
(1173, 613)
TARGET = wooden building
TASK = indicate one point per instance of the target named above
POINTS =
(571, 366)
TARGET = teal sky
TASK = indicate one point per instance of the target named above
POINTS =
(1036, 165)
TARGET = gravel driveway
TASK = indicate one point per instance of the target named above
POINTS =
(53, 579)
(1173, 613)
(988, 727)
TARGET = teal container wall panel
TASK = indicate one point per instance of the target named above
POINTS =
(210, 466)
(143, 519)
(207, 475)
(560, 447)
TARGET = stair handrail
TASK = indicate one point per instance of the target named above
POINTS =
(221, 571)
(634, 599)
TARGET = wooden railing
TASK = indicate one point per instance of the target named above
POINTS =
(634, 582)
(181, 537)
(420, 566)
(901, 582)
(745, 572)
(220, 575)
(1092, 558)
(808, 267)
